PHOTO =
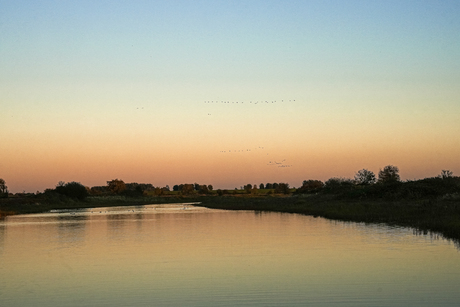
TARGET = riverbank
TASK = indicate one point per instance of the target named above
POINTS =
(27, 205)
(425, 215)
(437, 216)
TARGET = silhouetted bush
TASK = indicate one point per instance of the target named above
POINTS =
(310, 186)
(338, 185)
(72, 189)
(428, 188)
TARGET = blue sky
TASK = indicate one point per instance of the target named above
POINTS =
(372, 79)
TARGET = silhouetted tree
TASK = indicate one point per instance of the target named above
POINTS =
(187, 189)
(310, 186)
(176, 188)
(364, 177)
(134, 186)
(204, 189)
(158, 191)
(99, 190)
(389, 174)
(116, 186)
(254, 190)
(248, 188)
(196, 186)
(275, 186)
(446, 174)
(269, 186)
(261, 186)
(3, 188)
(135, 189)
(73, 190)
(282, 188)
(210, 187)
(338, 185)
(165, 189)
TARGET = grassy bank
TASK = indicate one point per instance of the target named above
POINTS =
(439, 216)
(9, 206)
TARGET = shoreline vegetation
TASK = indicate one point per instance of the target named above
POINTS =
(430, 205)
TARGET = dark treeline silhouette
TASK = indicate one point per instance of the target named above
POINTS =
(388, 186)
(195, 188)
(365, 185)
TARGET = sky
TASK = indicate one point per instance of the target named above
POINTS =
(226, 92)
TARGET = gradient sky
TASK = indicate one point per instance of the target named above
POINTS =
(96, 90)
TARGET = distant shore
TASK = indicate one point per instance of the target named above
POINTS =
(28, 205)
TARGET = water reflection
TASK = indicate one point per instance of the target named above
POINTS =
(175, 255)
(2, 236)
(70, 229)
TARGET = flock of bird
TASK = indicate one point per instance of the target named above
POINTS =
(279, 164)
(240, 150)
(241, 102)
(271, 163)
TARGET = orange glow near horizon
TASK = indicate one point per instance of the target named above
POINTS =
(158, 103)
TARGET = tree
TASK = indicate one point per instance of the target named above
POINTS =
(158, 192)
(269, 186)
(310, 186)
(282, 188)
(446, 174)
(204, 189)
(210, 187)
(248, 188)
(116, 186)
(254, 189)
(338, 185)
(389, 174)
(72, 189)
(3, 188)
(187, 189)
(261, 186)
(365, 177)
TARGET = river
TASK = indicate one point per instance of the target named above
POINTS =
(182, 255)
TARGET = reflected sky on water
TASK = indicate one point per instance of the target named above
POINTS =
(181, 255)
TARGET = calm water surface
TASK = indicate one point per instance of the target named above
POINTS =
(181, 255)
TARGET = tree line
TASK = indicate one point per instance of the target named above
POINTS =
(387, 184)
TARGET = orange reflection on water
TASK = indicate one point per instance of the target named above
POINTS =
(156, 250)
